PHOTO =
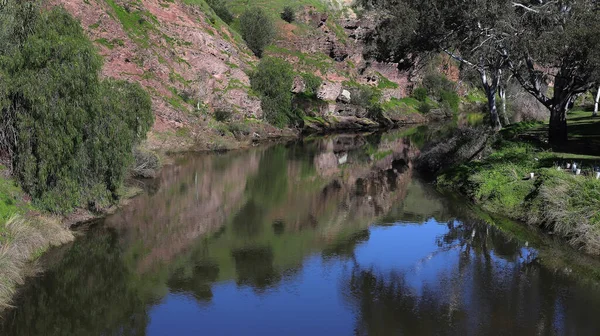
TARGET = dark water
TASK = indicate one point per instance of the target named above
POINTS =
(333, 236)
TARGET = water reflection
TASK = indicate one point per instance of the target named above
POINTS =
(324, 236)
(475, 283)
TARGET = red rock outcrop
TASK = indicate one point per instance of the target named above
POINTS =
(173, 50)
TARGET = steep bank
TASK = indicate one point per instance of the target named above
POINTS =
(195, 65)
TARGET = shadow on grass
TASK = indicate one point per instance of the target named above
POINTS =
(584, 135)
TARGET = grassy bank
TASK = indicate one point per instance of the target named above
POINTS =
(24, 235)
(555, 199)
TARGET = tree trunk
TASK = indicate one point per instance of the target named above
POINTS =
(502, 94)
(595, 114)
(494, 117)
(490, 91)
(557, 132)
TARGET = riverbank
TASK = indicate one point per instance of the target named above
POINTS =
(26, 232)
(498, 178)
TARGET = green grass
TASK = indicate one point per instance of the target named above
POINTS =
(305, 62)
(583, 129)
(137, 24)
(556, 199)
(407, 105)
(273, 6)
(385, 83)
(11, 201)
(475, 96)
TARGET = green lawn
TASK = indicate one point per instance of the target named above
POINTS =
(584, 133)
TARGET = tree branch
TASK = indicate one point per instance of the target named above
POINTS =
(515, 4)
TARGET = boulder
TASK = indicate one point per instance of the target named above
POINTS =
(345, 97)
(329, 91)
(299, 85)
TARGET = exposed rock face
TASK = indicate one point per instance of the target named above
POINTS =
(175, 52)
(329, 91)
(340, 123)
(345, 96)
(299, 85)
(191, 66)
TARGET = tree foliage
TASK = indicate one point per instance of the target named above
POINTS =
(288, 14)
(220, 8)
(538, 42)
(258, 29)
(68, 134)
(558, 44)
(273, 80)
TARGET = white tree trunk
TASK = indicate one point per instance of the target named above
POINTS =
(502, 94)
(596, 103)
(490, 89)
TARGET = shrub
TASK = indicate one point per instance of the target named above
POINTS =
(288, 14)
(522, 106)
(147, 163)
(257, 29)
(73, 133)
(221, 10)
(424, 107)
(365, 96)
(436, 83)
(223, 114)
(312, 83)
(420, 94)
(239, 127)
(450, 99)
(273, 81)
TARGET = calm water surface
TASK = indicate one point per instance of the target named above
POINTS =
(333, 236)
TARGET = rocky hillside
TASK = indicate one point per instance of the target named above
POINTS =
(193, 63)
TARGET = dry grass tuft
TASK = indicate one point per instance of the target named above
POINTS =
(26, 240)
(572, 204)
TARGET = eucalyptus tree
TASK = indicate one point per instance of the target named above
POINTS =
(410, 31)
(557, 44)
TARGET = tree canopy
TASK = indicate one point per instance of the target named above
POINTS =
(258, 29)
(539, 42)
(68, 135)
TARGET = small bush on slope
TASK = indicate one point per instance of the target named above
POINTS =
(288, 14)
(257, 29)
(273, 80)
(221, 10)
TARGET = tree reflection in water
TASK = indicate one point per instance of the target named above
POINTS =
(268, 223)
(497, 287)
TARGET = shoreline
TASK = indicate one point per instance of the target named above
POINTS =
(509, 176)
(34, 233)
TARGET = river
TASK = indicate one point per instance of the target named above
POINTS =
(325, 236)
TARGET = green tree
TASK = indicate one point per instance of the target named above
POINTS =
(273, 80)
(539, 43)
(258, 29)
(69, 135)
(557, 43)
(414, 31)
